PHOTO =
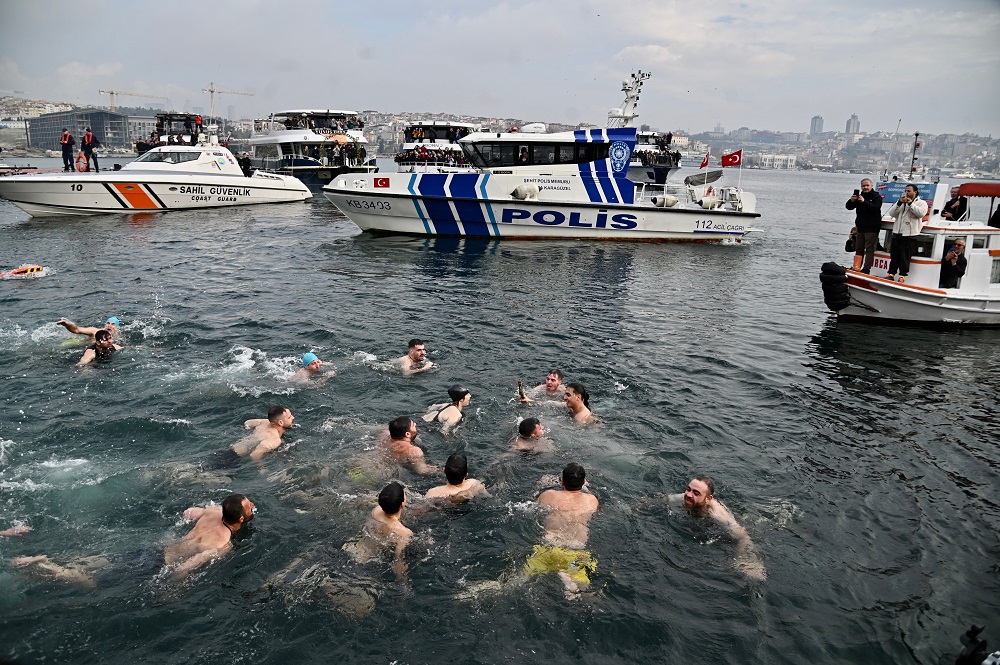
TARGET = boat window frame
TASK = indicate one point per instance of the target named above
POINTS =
(481, 154)
(168, 157)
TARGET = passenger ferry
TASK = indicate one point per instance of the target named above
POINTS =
(315, 146)
(563, 185)
(431, 146)
(921, 299)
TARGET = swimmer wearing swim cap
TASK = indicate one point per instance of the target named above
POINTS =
(111, 325)
(311, 366)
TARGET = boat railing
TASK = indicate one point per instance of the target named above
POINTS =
(431, 166)
(306, 162)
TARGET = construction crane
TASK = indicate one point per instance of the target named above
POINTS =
(213, 91)
(112, 93)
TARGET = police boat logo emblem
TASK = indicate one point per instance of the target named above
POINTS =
(619, 156)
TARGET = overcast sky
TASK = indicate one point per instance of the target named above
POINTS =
(935, 64)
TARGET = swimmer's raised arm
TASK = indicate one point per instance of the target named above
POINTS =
(255, 422)
(75, 329)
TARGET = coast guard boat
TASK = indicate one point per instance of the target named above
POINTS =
(563, 185)
(856, 296)
(315, 146)
(166, 177)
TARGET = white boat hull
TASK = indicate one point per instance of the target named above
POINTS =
(130, 191)
(485, 205)
(877, 299)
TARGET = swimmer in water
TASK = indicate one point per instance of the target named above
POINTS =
(398, 445)
(267, 433)
(415, 360)
(552, 388)
(311, 366)
(384, 531)
(450, 414)
(15, 531)
(577, 400)
(101, 350)
(699, 501)
(459, 487)
(530, 439)
(111, 326)
(210, 539)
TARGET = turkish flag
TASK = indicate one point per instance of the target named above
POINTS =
(733, 158)
(381, 182)
(704, 162)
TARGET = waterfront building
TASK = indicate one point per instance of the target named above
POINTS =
(114, 130)
(853, 125)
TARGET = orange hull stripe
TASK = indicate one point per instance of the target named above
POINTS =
(137, 198)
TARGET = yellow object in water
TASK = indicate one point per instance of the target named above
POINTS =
(552, 559)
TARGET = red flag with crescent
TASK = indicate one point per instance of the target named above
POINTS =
(733, 158)
(704, 162)
(381, 182)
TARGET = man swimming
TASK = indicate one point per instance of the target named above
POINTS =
(398, 446)
(459, 487)
(415, 360)
(567, 528)
(267, 433)
(311, 366)
(450, 414)
(552, 388)
(577, 400)
(111, 325)
(699, 501)
(384, 531)
(210, 539)
(101, 350)
(529, 437)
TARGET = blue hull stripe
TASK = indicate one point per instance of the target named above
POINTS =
(432, 184)
(463, 185)
(489, 207)
(442, 217)
(416, 203)
(587, 178)
(608, 185)
(471, 214)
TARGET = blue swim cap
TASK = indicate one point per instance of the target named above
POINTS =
(308, 358)
(114, 320)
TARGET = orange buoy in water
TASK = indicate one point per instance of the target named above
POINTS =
(24, 271)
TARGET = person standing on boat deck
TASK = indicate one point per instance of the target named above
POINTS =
(415, 360)
(88, 144)
(699, 501)
(867, 207)
(578, 402)
(908, 213)
(66, 141)
(956, 207)
(953, 266)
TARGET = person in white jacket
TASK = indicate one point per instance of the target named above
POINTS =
(908, 213)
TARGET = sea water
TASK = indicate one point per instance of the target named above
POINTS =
(861, 459)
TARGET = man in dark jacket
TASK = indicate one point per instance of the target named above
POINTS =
(953, 266)
(88, 145)
(867, 205)
(66, 141)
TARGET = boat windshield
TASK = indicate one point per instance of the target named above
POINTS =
(168, 157)
(508, 153)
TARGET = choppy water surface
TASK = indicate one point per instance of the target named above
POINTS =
(862, 460)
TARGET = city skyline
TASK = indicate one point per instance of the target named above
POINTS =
(771, 66)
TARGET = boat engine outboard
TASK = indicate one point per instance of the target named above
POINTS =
(974, 652)
(834, 280)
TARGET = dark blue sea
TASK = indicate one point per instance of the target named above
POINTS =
(862, 460)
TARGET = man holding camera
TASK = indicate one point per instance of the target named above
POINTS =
(908, 213)
(867, 205)
(953, 266)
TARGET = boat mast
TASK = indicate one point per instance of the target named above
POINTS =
(892, 146)
(913, 157)
(623, 117)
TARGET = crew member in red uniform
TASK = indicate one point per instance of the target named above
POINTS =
(67, 142)
(88, 145)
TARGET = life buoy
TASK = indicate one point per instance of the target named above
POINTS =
(81, 162)
(711, 191)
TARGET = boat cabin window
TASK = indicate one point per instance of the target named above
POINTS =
(995, 272)
(980, 242)
(922, 246)
(486, 155)
(165, 157)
